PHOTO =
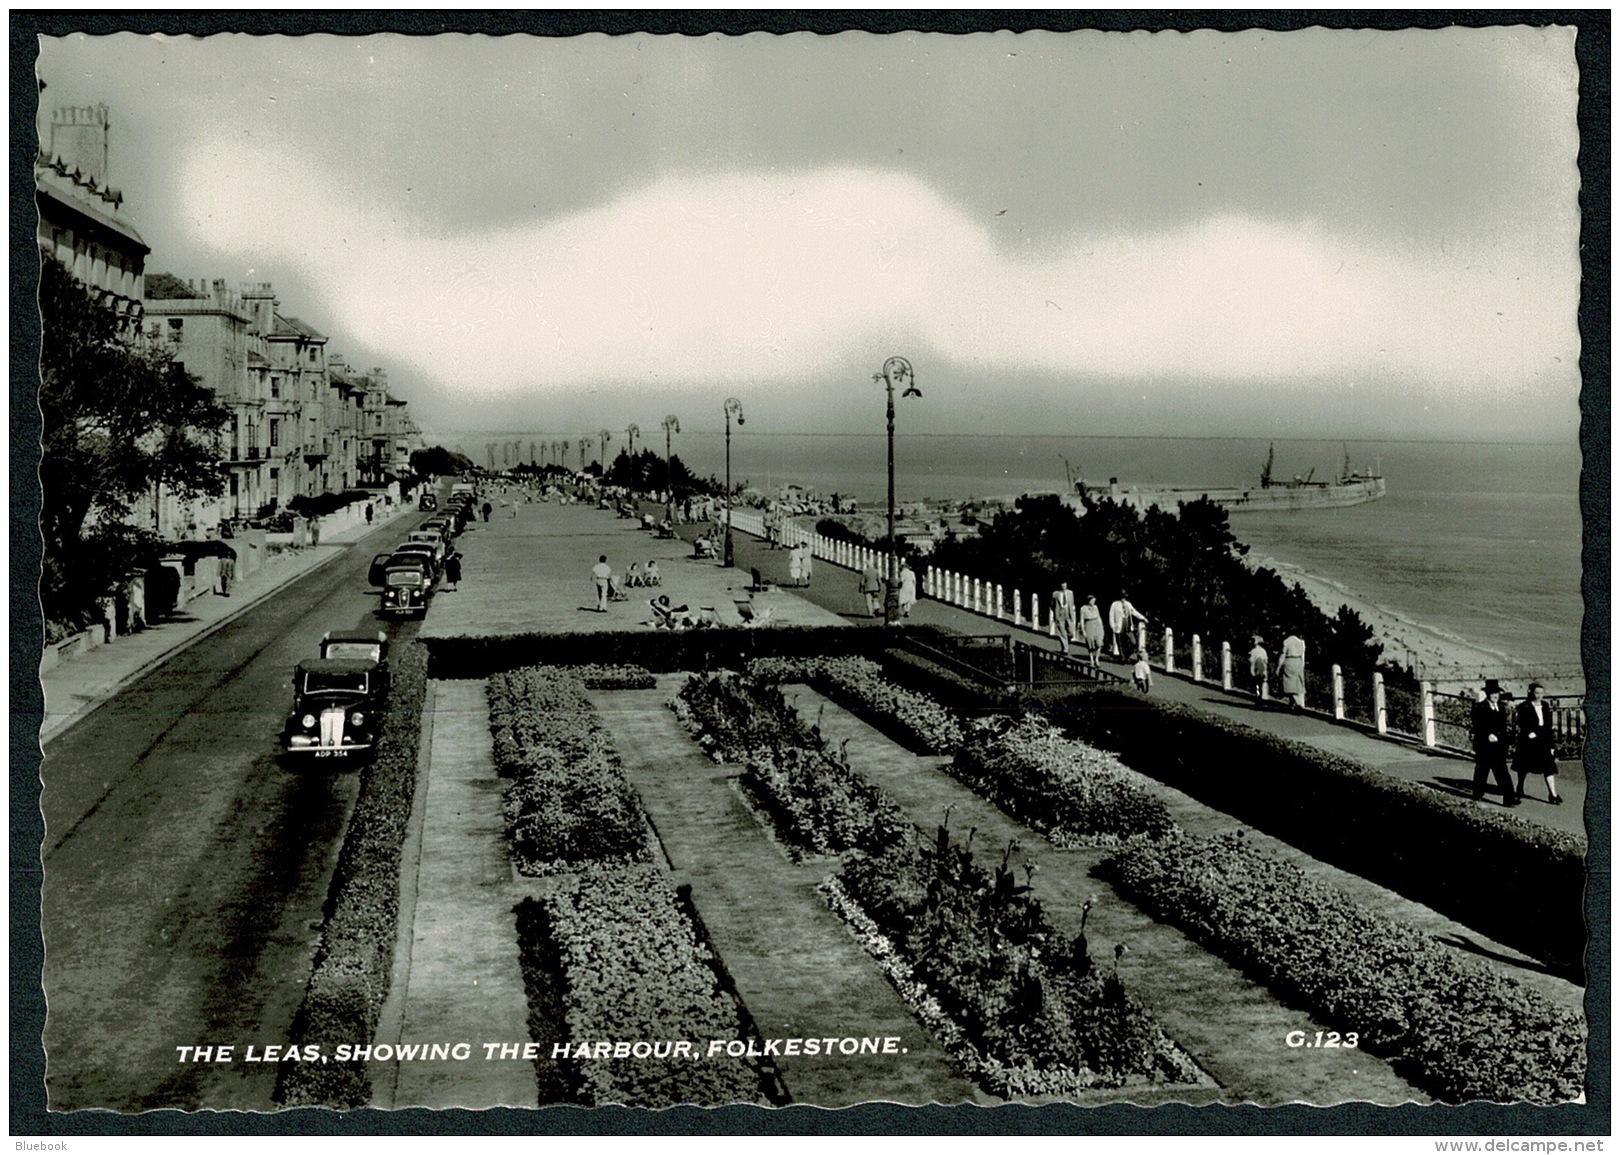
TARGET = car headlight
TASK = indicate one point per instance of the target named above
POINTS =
(356, 718)
(308, 721)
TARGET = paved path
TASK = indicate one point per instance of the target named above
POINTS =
(457, 978)
(1233, 1026)
(532, 574)
(796, 966)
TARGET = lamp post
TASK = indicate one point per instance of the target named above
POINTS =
(732, 406)
(672, 424)
(894, 369)
(604, 436)
(633, 431)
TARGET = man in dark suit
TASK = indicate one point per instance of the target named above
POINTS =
(1490, 718)
(1535, 751)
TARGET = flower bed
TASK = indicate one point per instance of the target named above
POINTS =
(1027, 1011)
(1453, 1026)
(1073, 794)
(862, 688)
(818, 803)
(568, 803)
(632, 969)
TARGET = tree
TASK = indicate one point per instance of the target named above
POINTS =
(119, 420)
(437, 461)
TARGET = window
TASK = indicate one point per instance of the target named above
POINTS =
(275, 436)
(275, 385)
(312, 354)
(177, 327)
(275, 483)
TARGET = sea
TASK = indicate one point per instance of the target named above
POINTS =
(1473, 540)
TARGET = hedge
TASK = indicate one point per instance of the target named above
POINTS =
(1451, 1025)
(1519, 881)
(354, 962)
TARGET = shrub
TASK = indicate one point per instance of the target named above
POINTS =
(818, 802)
(354, 961)
(633, 969)
(1454, 1026)
(1028, 1011)
(1070, 792)
(859, 685)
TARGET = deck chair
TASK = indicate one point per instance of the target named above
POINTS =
(750, 615)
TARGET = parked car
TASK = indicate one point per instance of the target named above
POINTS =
(379, 566)
(407, 586)
(427, 501)
(432, 537)
(431, 553)
(337, 708)
(359, 645)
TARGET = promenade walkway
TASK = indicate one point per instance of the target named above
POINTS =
(835, 589)
(77, 686)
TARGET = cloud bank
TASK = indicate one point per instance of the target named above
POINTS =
(774, 276)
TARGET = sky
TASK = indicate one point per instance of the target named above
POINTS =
(1334, 233)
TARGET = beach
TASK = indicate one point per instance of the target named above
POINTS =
(1452, 663)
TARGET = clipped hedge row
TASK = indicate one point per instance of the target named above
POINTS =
(661, 651)
(632, 969)
(861, 687)
(1521, 882)
(569, 802)
(817, 801)
(354, 962)
(1453, 1026)
(1025, 1009)
(1073, 794)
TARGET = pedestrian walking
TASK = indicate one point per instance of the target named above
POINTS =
(1063, 615)
(602, 574)
(314, 531)
(1091, 628)
(452, 569)
(488, 509)
(804, 567)
(1142, 674)
(1291, 671)
(1490, 732)
(227, 572)
(795, 566)
(871, 588)
(1122, 617)
(908, 589)
(1535, 750)
(1259, 668)
(370, 511)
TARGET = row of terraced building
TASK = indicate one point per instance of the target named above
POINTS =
(303, 421)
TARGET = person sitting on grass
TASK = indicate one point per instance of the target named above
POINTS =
(652, 577)
(668, 617)
(633, 576)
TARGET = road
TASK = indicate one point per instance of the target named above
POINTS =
(185, 868)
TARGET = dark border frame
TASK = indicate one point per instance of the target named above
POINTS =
(28, 1114)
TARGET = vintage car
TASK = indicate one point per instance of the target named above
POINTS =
(427, 501)
(407, 586)
(337, 708)
(359, 645)
(443, 524)
(434, 538)
(429, 552)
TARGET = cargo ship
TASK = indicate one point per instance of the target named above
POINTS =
(1352, 487)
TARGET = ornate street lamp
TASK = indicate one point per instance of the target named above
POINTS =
(894, 369)
(584, 438)
(633, 431)
(733, 406)
(672, 424)
(604, 436)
